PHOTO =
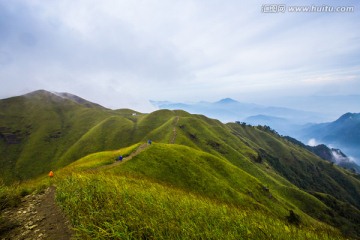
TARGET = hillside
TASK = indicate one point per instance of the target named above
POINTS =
(42, 131)
(163, 193)
(171, 176)
(332, 155)
(38, 129)
(227, 167)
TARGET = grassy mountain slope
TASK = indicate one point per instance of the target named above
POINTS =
(177, 196)
(111, 133)
(332, 155)
(250, 168)
(213, 177)
(308, 172)
(118, 207)
(300, 166)
(42, 131)
(205, 175)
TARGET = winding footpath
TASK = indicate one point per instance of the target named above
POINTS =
(37, 217)
(141, 148)
(133, 154)
(172, 141)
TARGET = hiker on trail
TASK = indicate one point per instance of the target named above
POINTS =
(149, 142)
(51, 174)
(120, 158)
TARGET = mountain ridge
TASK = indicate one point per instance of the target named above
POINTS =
(342, 133)
(190, 152)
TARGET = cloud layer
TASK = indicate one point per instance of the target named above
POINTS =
(122, 53)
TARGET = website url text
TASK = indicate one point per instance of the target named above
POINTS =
(282, 8)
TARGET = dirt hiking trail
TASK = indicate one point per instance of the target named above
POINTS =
(133, 154)
(172, 141)
(37, 217)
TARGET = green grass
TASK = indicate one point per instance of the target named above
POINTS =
(206, 175)
(46, 127)
(10, 196)
(300, 166)
(96, 160)
(189, 169)
(170, 191)
(243, 167)
(216, 178)
(112, 133)
(104, 206)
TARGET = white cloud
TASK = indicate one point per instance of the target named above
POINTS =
(352, 159)
(169, 49)
(338, 157)
(312, 142)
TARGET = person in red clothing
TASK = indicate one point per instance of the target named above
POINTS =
(51, 174)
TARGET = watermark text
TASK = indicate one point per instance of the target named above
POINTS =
(283, 8)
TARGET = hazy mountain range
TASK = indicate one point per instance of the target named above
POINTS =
(230, 110)
(343, 133)
(195, 164)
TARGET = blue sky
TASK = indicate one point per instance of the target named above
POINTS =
(123, 53)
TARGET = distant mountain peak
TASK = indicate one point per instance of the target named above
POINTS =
(347, 119)
(56, 96)
(77, 99)
(43, 95)
(349, 116)
(38, 93)
(227, 101)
